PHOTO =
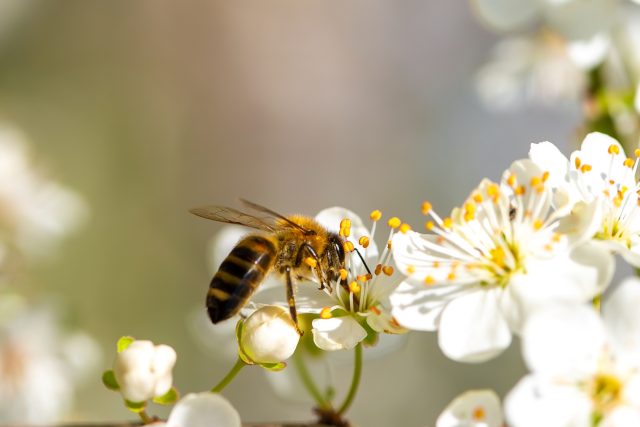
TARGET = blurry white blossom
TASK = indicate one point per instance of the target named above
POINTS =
(35, 212)
(202, 410)
(602, 176)
(585, 369)
(269, 335)
(474, 408)
(501, 256)
(144, 370)
(40, 364)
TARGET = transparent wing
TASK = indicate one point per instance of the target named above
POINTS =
(234, 216)
(279, 220)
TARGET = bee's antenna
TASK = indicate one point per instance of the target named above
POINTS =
(362, 259)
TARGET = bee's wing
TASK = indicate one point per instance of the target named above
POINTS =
(233, 216)
(278, 220)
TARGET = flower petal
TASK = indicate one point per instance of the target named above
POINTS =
(472, 328)
(621, 315)
(474, 408)
(204, 410)
(337, 333)
(418, 307)
(506, 14)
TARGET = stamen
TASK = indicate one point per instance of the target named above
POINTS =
(429, 225)
(325, 313)
(394, 222)
(348, 246)
(469, 211)
(493, 191)
(479, 414)
(362, 277)
(447, 223)
(410, 269)
(537, 224)
(477, 197)
(545, 176)
(511, 180)
(585, 168)
(345, 227)
(636, 152)
(375, 215)
(375, 310)
(429, 280)
(343, 274)
(629, 162)
(364, 241)
(404, 228)
(426, 207)
(354, 287)
(614, 149)
(389, 244)
(311, 262)
(451, 276)
(577, 162)
(378, 269)
(388, 270)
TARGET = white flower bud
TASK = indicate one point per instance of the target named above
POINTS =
(143, 371)
(269, 335)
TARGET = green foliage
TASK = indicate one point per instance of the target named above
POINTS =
(136, 407)
(168, 398)
(274, 367)
(124, 343)
(109, 380)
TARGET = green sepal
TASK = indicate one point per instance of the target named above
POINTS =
(136, 407)
(372, 336)
(168, 398)
(109, 380)
(241, 353)
(274, 367)
(306, 343)
(124, 342)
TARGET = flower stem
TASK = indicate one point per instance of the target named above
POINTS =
(355, 380)
(229, 377)
(307, 381)
(146, 419)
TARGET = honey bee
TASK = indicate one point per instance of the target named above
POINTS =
(295, 247)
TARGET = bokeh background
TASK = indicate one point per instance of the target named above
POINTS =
(149, 108)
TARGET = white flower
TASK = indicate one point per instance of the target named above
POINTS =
(601, 175)
(496, 260)
(269, 335)
(475, 408)
(585, 369)
(144, 370)
(202, 410)
(362, 295)
(40, 364)
(35, 213)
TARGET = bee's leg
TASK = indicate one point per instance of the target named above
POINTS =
(317, 268)
(291, 300)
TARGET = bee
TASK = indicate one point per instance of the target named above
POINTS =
(295, 247)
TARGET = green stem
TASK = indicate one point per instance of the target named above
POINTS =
(355, 380)
(229, 377)
(307, 381)
(146, 419)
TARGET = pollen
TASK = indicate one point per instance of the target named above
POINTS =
(477, 197)
(394, 222)
(636, 152)
(348, 246)
(311, 262)
(378, 269)
(364, 241)
(493, 191)
(325, 313)
(545, 176)
(389, 244)
(585, 168)
(469, 211)
(520, 190)
(375, 215)
(362, 277)
(410, 269)
(426, 207)
(535, 181)
(537, 224)
(388, 270)
(343, 274)
(628, 162)
(354, 287)
(451, 276)
(436, 264)
(556, 237)
(479, 414)
(447, 222)
(429, 225)
(614, 149)
(345, 227)
(577, 162)
(511, 180)
(498, 256)
(429, 280)
(404, 228)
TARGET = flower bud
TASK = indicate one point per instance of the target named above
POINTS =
(143, 371)
(269, 335)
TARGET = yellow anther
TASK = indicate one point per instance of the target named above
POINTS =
(362, 278)
(617, 201)
(535, 181)
(411, 269)
(440, 240)
(624, 189)
(479, 414)
(389, 244)
(375, 310)
(545, 176)
(520, 190)
(343, 274)
(469, 211)
(388, 270)
(394, 222)
(429, 225)
(577, 162)
(556, 237)
(378, 269)
(636, 152)
(426, 207)
(404, 228)
(375, 215)
(585, 168)
(345, 227)
(325, 313)
(451, 276)
(498, 256)
(354, 287)
(493, 191)
(614, 149)
(364, 241)
(511, 180)
(429, 280)
(537, 224)
(436, 264)
(311, 262)
(477, 197)
(447, 222)
(548, 247)
(348, 246)
(629, 162)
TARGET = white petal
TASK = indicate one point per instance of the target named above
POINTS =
(550, 159)
(204, 410)
(337, 333)
(586, 54)
(472, 328)
(506, 14)
(475, 408)
(418, 307)
(536, 403)
(582, 222)
(621, 315)
(622, 416)
(563, 340)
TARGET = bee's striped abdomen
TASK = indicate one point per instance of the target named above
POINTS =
(239, 275)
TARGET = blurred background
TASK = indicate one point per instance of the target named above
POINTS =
(142, 110)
